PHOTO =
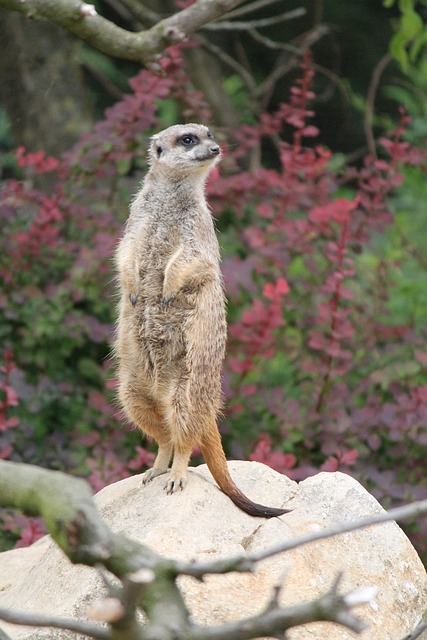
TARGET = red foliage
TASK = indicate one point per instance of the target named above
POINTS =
(8, 398)
(38, 161)
(282, 462)
(29, 529)
(304, 384)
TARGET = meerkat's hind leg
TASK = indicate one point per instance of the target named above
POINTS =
(178, 478)
(143, 412)
(161, 463)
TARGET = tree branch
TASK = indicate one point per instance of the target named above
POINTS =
(370, 102)
(247, 562)
(250, 8)
(56, 622)
(149, 581)
(82, 20)
(67, 507)
(4, 635)
(236, 25)
(412, 511)
(273, 621)
(416, 633)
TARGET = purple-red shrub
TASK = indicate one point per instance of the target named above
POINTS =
(309, 375)
(308, 369)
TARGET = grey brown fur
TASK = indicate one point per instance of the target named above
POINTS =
(171, 331)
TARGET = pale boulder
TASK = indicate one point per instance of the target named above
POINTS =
(203, 523)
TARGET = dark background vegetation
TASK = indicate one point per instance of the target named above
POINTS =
(321, 209)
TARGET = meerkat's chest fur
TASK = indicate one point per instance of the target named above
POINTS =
(168, 258)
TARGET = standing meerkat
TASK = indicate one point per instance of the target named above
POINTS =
(171, 332)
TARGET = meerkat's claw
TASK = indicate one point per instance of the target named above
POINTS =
(149, 475)
(133, 297)
(166, 300)
(172, 486)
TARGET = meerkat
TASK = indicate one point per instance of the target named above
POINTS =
(171, 332)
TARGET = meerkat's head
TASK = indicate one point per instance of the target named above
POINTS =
(184, 149)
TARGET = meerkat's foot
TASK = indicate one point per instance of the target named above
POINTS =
(173, 486)
(161, 463)
(179, 472)
(153, 473)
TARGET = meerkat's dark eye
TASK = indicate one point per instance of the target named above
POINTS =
(209, 134)
(188, 140)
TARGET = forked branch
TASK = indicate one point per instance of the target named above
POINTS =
(148, 581)
(83, 20)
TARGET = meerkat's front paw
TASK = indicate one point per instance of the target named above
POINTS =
(133, 297)
(167, 298)
(153, 473)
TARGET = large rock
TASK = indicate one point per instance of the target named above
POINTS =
(203, 523)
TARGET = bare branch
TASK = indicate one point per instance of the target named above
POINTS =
(138, 11)
(265, 89)
(232, 63)
(236, 25)
(307, 41)
(416, 633)
(82, 20)
(56, 622)
(412, 511)
(250, 8)
(4, 635)
(330, 607)
(247, 563)
(370, 102)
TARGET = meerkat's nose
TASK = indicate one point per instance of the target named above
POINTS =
(215, 150)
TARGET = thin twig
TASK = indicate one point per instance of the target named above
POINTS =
(370, 103)
(232, 63)
(144, 15)
(4, 635)
(55, 622)
(331, 607)
(422, 626)
(400, 513)
(237, 25)
(255, 6)
(295, 54)
(246, 563)
(307, 40)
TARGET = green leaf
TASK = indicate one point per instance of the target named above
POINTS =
(411, 25)
(398, 50)
(89, 370)
(406, 5)
(123, 166)
(417, 45)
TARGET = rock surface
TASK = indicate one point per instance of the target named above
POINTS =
(203, 523)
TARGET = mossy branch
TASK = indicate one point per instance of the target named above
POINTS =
(67, 507)
(82, 19)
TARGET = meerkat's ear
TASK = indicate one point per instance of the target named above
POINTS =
(155, 148)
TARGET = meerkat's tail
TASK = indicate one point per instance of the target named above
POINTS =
(214, 456)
